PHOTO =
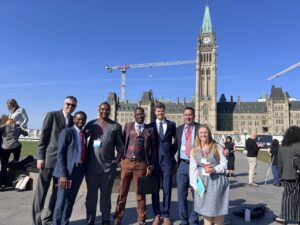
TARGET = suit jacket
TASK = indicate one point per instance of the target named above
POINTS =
(66, 152)
(149, 142)
(54, 123)
(179, 132)
(165, 147)
(100, 158)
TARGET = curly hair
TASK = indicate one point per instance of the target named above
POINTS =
(291, 136)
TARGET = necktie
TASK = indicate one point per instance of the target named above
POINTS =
(161, 130)
(140, 129)
(188, 141)
(82, 146)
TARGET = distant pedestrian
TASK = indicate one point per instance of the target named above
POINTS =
(10, 133)
(54, 123)
(208, 165)
(252, 152)
(70, 168)
(274, 160)
(230, 146)
(290, 205)
(17, 113)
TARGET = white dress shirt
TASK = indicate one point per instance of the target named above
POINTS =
(164, 124)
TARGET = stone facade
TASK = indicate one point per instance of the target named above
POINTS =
(268, 115)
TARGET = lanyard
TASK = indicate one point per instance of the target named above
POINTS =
(203, 152)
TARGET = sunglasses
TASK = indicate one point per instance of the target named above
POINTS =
(70, 104)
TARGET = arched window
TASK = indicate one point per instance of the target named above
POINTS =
(208, 71)
(202, 72)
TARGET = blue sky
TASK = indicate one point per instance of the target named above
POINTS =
(51, 49)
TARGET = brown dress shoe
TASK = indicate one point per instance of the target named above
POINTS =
(167, 221)
(156, 220)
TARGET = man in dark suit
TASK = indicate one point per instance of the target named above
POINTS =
(54, 123)
(70, 168)
(165, 131)
(185, 137)
(137, 160)
(106, 136)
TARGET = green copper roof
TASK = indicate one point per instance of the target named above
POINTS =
(206, 24)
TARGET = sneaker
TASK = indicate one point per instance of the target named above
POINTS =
(279, 220)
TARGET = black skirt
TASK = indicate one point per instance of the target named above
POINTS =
(290, 205)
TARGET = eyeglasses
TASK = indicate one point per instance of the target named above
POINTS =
(70, 104)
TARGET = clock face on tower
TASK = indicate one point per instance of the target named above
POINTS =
(206, 40)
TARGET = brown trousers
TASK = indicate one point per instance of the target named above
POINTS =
(129, 170)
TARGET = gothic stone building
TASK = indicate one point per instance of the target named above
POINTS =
(271, 114)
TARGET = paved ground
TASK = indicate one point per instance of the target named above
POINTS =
(15, 207)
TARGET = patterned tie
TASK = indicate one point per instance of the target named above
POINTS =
(188, 141)
(161, 130)
(82, 146)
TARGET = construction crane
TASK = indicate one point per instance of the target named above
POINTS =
(285, 71)
(124, 68)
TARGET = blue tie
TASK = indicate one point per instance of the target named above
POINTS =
(161, 130)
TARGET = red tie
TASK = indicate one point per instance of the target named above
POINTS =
(188, 141)
(82, 145)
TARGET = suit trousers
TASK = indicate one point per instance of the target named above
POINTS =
(43, 183)
(66, 198)
(165, 171)
(104, 182)
(183, 184)
(252, 166)
(129, 170)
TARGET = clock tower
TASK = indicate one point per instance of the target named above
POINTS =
(206, 85)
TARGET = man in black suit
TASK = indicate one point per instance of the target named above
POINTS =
(185, 137)
(54, 123)
(70, 168)
(165, 131)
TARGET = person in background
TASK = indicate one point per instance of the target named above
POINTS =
(208, 163)
(274, 160)
(10, 133)
(17, 113)
(252, 152)
(20, 117)
(290, 204)
(230, 146)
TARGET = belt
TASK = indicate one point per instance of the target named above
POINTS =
(185, 160)
(135, 160)
(78, 164)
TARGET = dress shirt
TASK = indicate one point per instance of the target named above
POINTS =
(67, 118)
(78, 141)
(139, 127)
(183, 140)
(164, 124)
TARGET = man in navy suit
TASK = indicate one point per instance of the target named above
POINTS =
(70, 168)
(185, 137)
(165, 131)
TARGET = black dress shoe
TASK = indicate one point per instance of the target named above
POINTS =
(106, 222)
(90, 222)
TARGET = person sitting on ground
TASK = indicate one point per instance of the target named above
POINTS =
(10, 133)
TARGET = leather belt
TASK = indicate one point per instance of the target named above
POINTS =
(185, 160)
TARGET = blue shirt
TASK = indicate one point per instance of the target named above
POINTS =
(183, 141)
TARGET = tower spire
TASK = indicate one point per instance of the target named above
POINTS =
(206, 24)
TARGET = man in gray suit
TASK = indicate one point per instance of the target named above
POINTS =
(105, 136)
(54, 123)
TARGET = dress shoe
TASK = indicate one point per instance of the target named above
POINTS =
(91, 222)
(106, 222)
(167, 221)
(279, 220)
(253, 184)
(156, 220)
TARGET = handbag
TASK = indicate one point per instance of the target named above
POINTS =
(147, 185)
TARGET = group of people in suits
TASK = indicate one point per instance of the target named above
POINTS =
(69, 150)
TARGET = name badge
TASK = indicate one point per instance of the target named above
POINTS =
(97, 143)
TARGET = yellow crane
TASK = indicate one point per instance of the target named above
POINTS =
(124, 69)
